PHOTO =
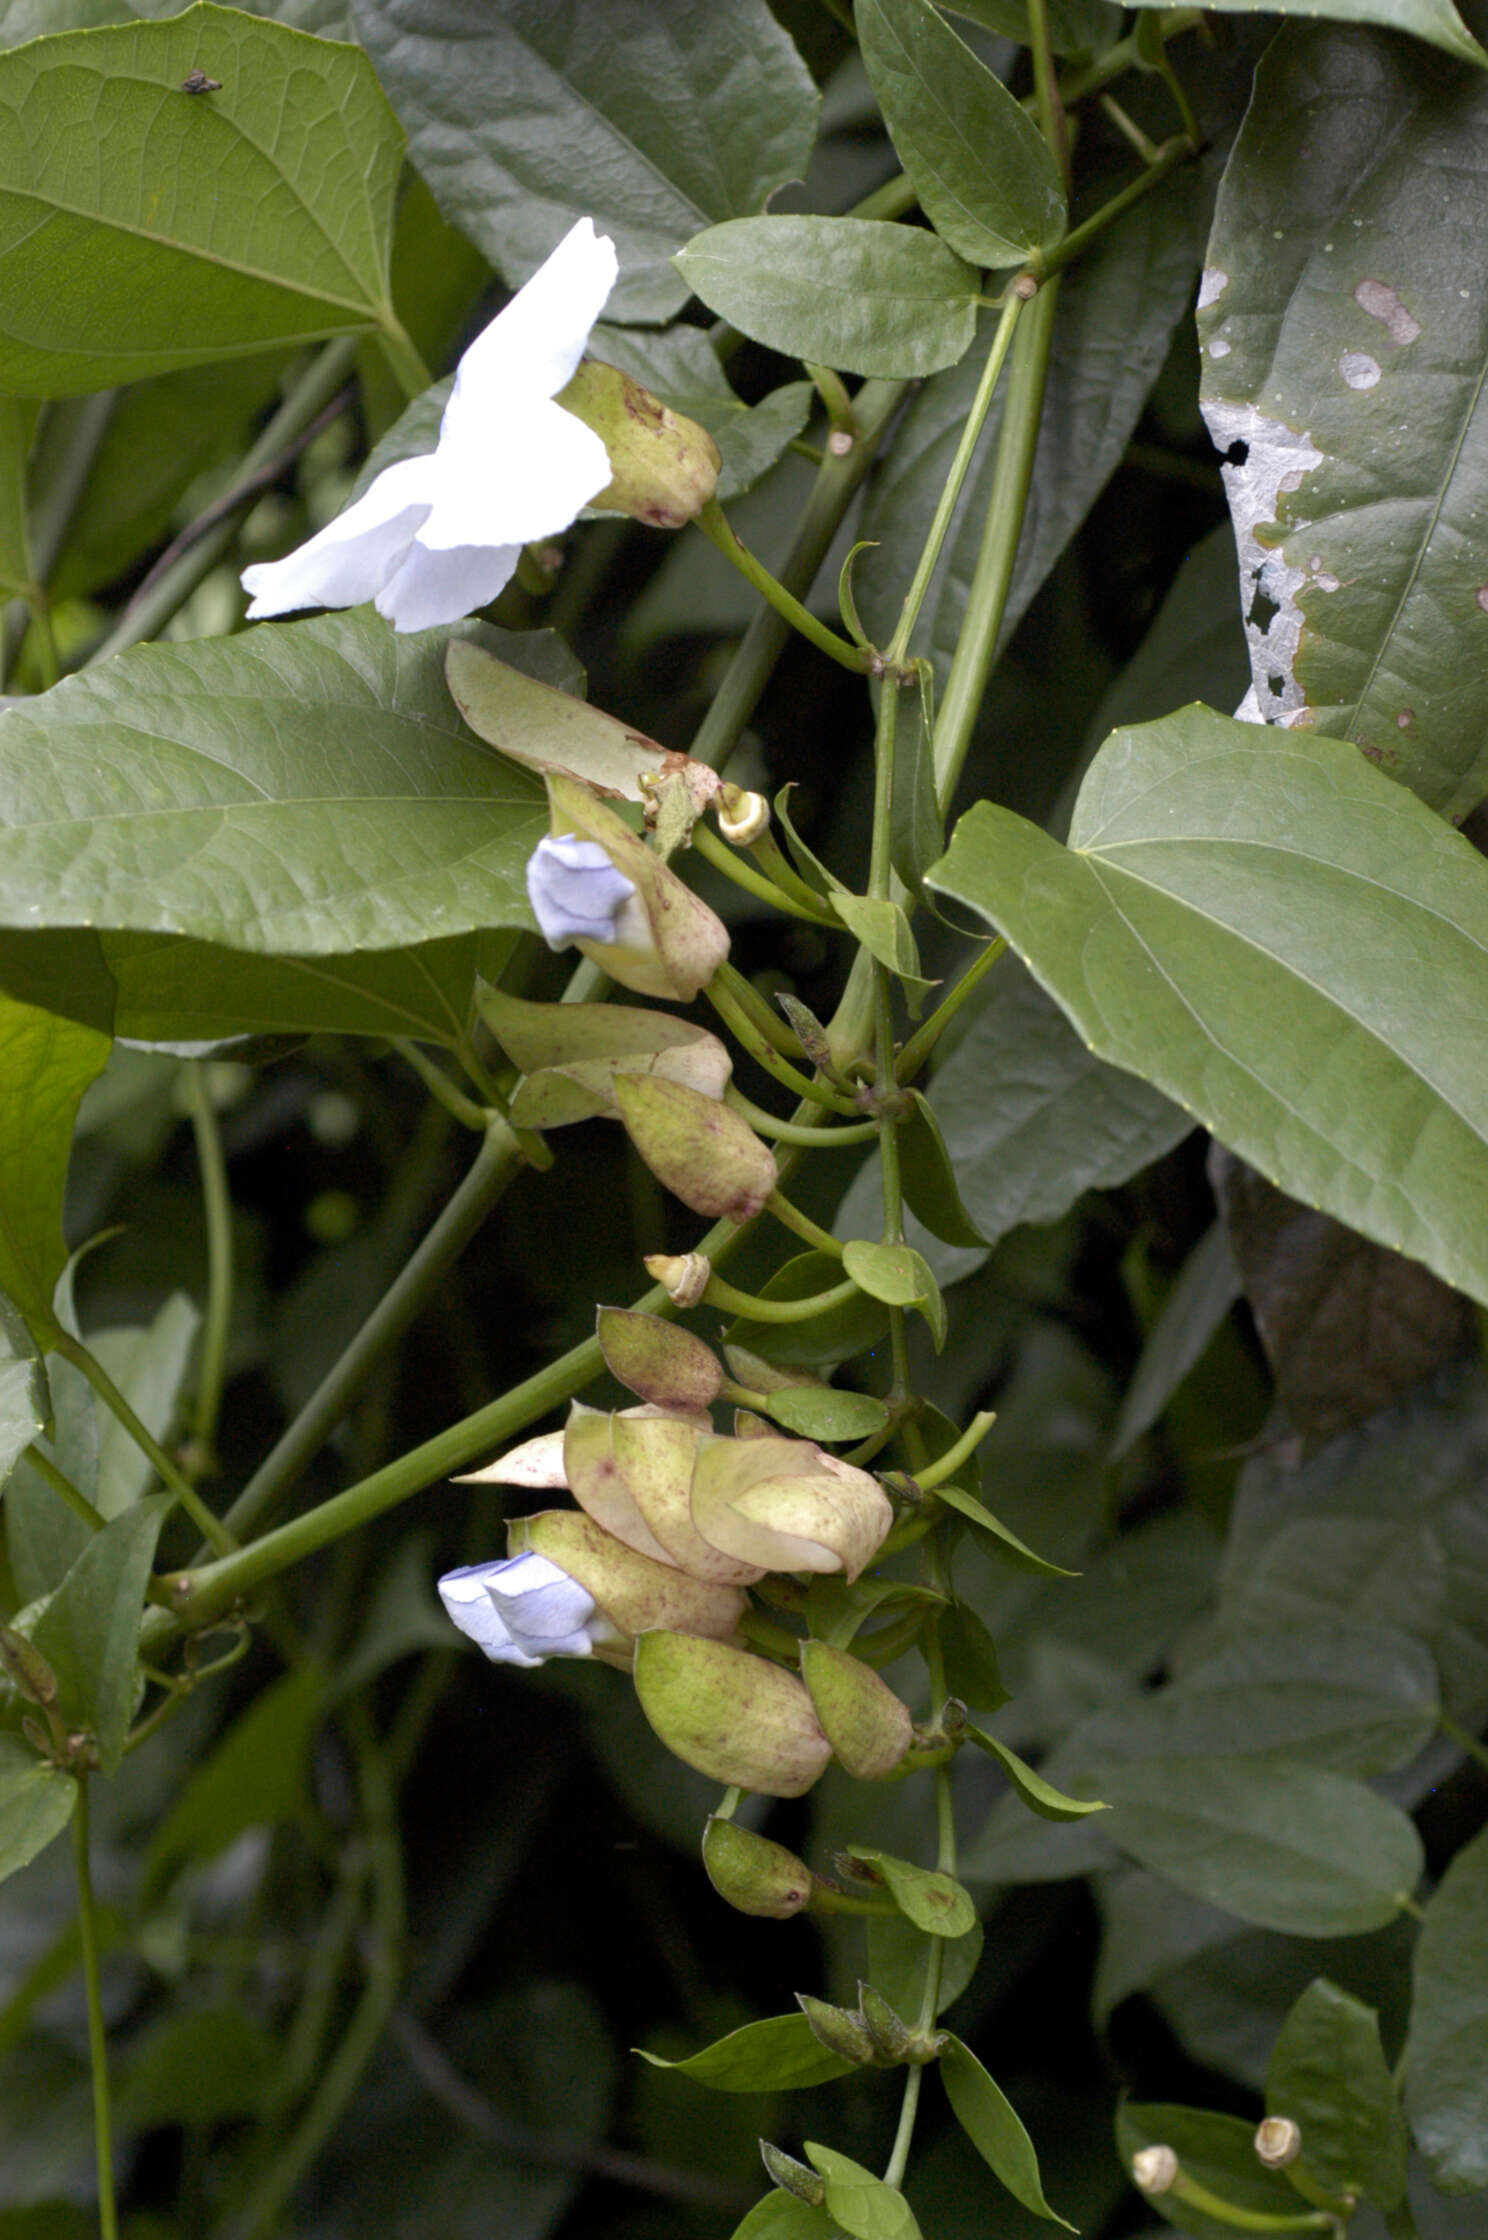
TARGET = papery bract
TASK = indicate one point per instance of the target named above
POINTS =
(667, 942)
(629, 1589)
(438, 536)
(523, 1608)
(787, 1505)
(730, 1714)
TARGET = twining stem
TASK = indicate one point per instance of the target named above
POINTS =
(790, 1131)
(416, 1282)
(1048, 105)
(755, 1309)
(217, 1206)
(734, 1016)
(103, 2129)
(944, 1468)
(742, 872)
(409, 370)
(211, 1528)
(42, 1463)
(1168, 157)
(992, 578)
(809, 1231)
(714, 525)
(441, 1088)
(913, 1053)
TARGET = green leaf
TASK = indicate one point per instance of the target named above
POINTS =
(934, 1902)
(899, 1954)
(1347, 360)
(861, 2203)
(1288, 1846)
(1434, 20)
(1008, 1544)
(89, 1629)
(1446, 2055)
(1076, 27)
(46, 1062)
(23, 1408)
(779, 2055)
(1218, 2151)
(1234, 900)
(851, 1328)
(780, 2216)
(818, 1412)
(254, 1777)
(929, 1178)
(970, 1653)
(149, 1366)
(1207, 1286)
(916, 830)
(199, 2066)
(36, 1803)
(1329, 2074)
(853, 293)
(123, 268)
(981, 171)
(992, 2125)
(654, 117)
(43, 1538)
(178, 991)
(900, 1276)
(1039, 1795)
(884, 930)
(680, 366)
(306, 787)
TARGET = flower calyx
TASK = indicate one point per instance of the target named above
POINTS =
(730, 1714)
(793, 2177)
(570, 1053)
(663, 466)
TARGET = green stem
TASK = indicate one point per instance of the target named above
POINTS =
(1464, 1741)
(1125, 55)
(1168, 157)
(765, 1020)
(416, 1282)
(217, 1206)
(441, 1088)
(802, 1224)
(42, 1463)
(941, 1471)
(992, 578)
(46, 644)
(791, 1131)
(741, 871)
(715, 528)
(777, 866)
(211, 1528)
(1196, 2196)
(744, 1030)
(1047, 103)
(409, 371)
(312, 392)
(755, 1309)
(914, 1053)
(103, 2142)
(945, 1862)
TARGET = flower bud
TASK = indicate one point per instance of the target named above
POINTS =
(26, 1668)
(792, 2176)
(628, 1588)
(653, 1457)
(592, 1477)
(787, 1505)
(742, 816)
(759, 1375)
(570, 1053)
(841, 2030)
(661, 940)
(1278, 2141)
(669, 1367)
(536, 1464)
(683, 1276)
(730, 1715)
(524, 1609)
(663, 467)
(705, 1153)
(1154, 2170)
(892, 2038)
(752, 1874)
(868, 1727)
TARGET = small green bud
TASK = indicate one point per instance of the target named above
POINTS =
(729, 1714)
(866, 1724)
(893, 2038)
(663, 466)
(754, 1875)
(26, 1668)
(792, 2176)
(841, 2030)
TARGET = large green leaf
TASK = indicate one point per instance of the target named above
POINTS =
(847, 292)
(1446, 2059)
(304, 787)
(46, 1062)
(89, 1630)
(28, 19)
(1345, 359)
(654, 117)
(36, 1803)
(981, 171)
(1329, 2074)
(1248, 920)
(1436, 20)
(1288, 1846)
(143, 227)
(22, 1408)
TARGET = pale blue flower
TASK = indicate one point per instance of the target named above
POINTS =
(575, 891)
(523, 1609)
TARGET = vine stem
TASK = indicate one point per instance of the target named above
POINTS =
(217, 1205)
(731, 865)
(211, 1528)
(42, 1463)
(103, 2128)
(714, 524)
(917, 1049)
(408, 368)
(791, 1131)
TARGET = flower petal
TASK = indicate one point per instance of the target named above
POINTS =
(533, 347)
(575, 891)
(521, 469)
(431, 587)
(353, 556)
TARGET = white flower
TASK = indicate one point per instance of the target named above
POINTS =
(435, 537)
(575, 891)
(523, 1609)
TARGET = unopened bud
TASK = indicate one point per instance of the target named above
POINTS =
(809, 1031)
(893, 2038)
(792, 2176)
(1278, 2141)
(754, 1875)
(26, 1668)
(841, 2030)
(742, 816)
(704, 1152)
(683, 1276)
(663, 466)
(1154, 2170)
(868, 1727)
(729, 1714)
(666, 1366)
